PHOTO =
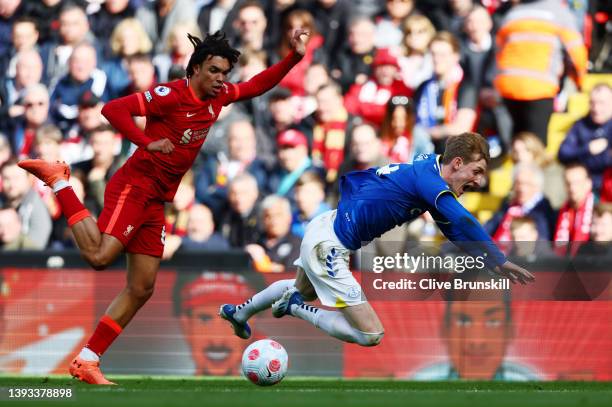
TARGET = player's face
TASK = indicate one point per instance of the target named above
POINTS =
(214, 348)
(477, 337)
(467, 176)
(211, 74)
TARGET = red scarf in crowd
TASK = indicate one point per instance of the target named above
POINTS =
(574, 225)
(503, 234)
(328, 145)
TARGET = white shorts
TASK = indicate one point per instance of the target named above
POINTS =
(326, 263)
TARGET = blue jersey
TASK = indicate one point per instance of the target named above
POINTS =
(376, 200)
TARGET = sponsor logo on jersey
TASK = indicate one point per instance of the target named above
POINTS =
(148, 96)
(186, 136)
(162, 90)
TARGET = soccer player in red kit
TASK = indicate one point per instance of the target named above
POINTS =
(179, 116)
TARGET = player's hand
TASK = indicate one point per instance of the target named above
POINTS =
(299, 40)
(514, 273)
(163, 145)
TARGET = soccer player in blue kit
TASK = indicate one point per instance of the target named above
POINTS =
(373, 202)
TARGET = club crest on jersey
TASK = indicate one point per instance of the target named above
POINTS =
(162, 90)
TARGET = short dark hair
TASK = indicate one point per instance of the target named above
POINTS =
(602, 208)
(469, 146)
(213, 45)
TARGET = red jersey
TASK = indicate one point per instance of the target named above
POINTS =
(174, 112)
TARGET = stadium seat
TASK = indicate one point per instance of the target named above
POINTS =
(558, 126)
(578, 104)
(593, 79)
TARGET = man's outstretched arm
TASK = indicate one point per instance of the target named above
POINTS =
(270, 77)
(466, 232)
(119, 114)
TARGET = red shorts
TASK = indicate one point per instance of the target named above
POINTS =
(134, 213)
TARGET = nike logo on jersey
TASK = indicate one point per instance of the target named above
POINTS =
(191, 114)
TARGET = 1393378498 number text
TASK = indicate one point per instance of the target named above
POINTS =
(36, 393)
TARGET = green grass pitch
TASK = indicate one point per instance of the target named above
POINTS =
(137, 391)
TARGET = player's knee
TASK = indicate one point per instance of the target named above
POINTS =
(97, 260)
(141, 292)
(370, 338)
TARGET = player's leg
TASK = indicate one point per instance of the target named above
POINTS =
(97, 249)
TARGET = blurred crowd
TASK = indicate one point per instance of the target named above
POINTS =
(381, 81)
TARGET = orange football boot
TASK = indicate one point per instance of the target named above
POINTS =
(87, 371)
(47, 172)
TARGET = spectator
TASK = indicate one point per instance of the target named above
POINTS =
(28, 72)
(300, 19)
(47, 146)
(524, 232)
(218, 170)
(527, 200)
(389, 24)
(452, 17)
(46, 13)
(25, 38)
(251, 26)
(310, 201)
(533, 42)
(83, 75)
(240, 224)
(105, 21)
(575, 216)
(353, 64)
(402, 140)
(331, 18)
(73, 30)
(416, 64)
(528, 149)
(141, 73)
(127, 39)
(478, 59)
(178, 49)
(278, 248)
(317, 76)
(23, 130)
(5, 151)
(251, 63)
(19, 194)
(365, 150)
(601, 229)
(293, 161)
(75, 146)
(219, 15)
(589, 141)
(158, 19)
(446, 103)
(200, 234)
(282, 112)
(329, 129)
(97, 171)
(11, 237)
(369, 100)
(10, 11)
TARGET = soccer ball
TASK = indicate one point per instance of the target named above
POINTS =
(265, 362)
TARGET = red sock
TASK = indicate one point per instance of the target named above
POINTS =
(104, 335)
(72, 208)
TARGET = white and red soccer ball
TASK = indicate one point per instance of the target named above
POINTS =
(265, 362)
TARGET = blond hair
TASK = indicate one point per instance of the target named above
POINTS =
(144, 43)
(417, 19)
(535, 146)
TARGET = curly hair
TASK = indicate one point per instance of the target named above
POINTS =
(213, 45)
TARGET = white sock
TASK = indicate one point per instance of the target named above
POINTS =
(262, 300)
(59, 185)
(332, 322)
(89, 355)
